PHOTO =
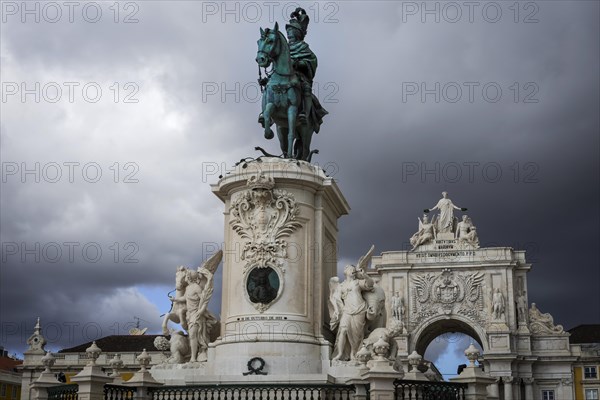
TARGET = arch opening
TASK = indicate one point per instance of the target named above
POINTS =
(441, 327)
(443, 343)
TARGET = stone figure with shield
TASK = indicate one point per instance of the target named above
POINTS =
(287, 100)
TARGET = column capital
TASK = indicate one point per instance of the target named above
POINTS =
(508, 379)
(528, 381)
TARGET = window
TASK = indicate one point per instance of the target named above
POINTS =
(591, 394)
(548, 395)
(3, 390)
(590, 372)
(13, 394)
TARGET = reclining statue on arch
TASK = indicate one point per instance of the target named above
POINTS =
(287, 98)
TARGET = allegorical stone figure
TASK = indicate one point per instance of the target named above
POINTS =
(445, 222)
(462, 229)
(200, 320)
(348, 309)
(498, 304)
(194, 292)
(397, 306)
(353, 314)
(425, 233)
(522, 307)
(466, 232)
(542, 321)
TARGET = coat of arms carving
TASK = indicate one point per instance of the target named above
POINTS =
(447, 293)
(264, 216)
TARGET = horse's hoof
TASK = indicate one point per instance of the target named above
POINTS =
(269, 134)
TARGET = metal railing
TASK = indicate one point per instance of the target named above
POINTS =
(253, 392)
(423, 390)
(116, 392)
(63, 392)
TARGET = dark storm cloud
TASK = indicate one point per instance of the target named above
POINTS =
(185, 131)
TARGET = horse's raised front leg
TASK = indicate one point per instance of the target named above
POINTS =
(267, 115)
(292, 115)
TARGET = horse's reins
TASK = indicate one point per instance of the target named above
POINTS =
(168, 312)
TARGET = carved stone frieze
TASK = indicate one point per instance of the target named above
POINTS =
(447, 293)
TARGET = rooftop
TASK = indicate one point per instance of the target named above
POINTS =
(585, 334)
(118, 344)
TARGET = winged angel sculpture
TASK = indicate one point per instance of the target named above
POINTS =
(193, 291)
(352, 303)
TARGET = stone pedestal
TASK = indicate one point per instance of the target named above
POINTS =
(40, 386)
(381, 383)
(91, 381)
(478, 383)
(280, 251)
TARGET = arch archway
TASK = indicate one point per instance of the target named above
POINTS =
(440, 325)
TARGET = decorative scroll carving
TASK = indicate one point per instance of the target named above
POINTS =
(447, 293)
(264, 216)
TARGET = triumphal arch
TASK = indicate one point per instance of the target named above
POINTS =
(447, 283)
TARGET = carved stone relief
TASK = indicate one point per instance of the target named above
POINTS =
(447, 293)
(264, 216)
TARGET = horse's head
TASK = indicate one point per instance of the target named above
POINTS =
(268, 46)
(180, 282)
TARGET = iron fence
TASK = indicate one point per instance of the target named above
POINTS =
(116, 392)
(423, 390)
(63, 392)
(253, 392)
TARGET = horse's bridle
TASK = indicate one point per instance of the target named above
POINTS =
(269, 73)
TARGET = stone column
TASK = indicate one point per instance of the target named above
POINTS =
(508, 387)
(91, 379)
(528, 388)
(474, 377)
(381, 375)
(360, 387)
(45, 380)
(494, 389)
(142, 380)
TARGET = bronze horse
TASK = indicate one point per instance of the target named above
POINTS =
(282, 96)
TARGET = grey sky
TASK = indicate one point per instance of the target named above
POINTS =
(183, 132)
